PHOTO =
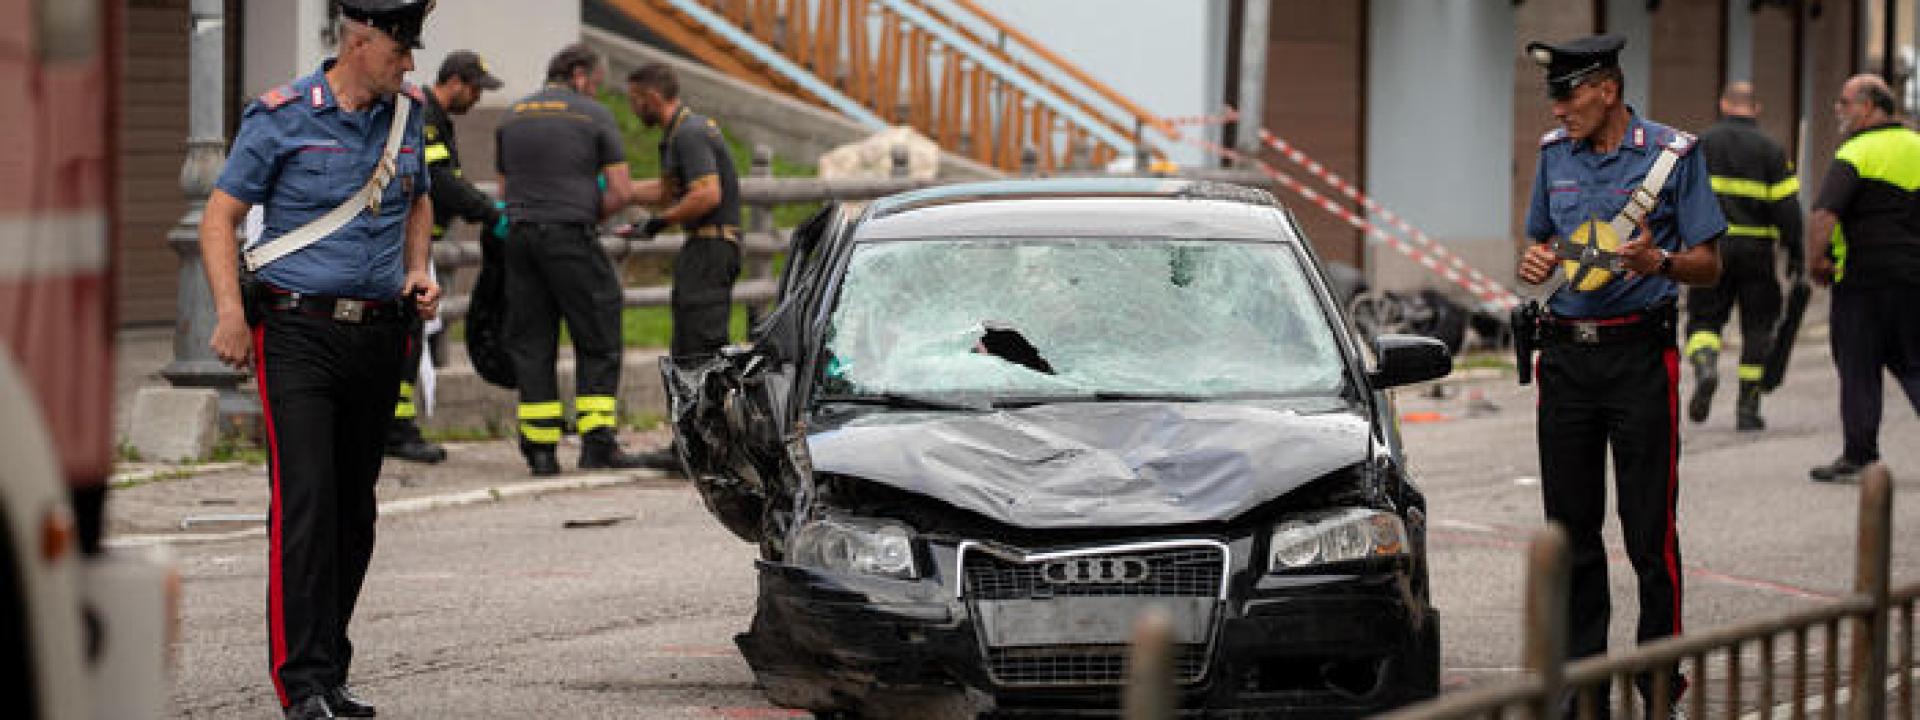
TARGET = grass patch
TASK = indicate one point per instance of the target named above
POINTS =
(643, 157)
(231, 449)
(1473, 361)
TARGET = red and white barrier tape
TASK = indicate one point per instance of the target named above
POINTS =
(1452, 260)
(1226, 115)
(1481, 287)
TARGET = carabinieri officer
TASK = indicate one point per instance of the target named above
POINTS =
(1609, 369)
(342, 266)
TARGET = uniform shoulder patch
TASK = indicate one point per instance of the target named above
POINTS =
(413, 91)
(1680, 141)
(1553, 136)
(273, 99)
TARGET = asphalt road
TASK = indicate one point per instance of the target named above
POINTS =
(496, 610)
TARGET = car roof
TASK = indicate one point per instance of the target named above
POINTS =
(1079, 207)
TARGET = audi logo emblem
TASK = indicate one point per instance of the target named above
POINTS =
(1096, 571)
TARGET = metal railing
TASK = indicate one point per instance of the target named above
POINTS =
(958, 74)
(1811, 640)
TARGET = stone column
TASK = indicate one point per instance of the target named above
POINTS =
(194, 364)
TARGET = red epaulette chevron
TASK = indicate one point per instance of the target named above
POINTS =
(276, 97)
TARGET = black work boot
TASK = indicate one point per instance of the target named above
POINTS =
(1841, 470)
(405, 442)
(540, 458)
(600, 450)
(347, 704)
(1747, 413)
(1706, 377)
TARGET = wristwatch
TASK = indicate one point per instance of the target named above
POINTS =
(1666, 263)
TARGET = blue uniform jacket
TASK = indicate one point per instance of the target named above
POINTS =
(299, 153)
(1573, 184)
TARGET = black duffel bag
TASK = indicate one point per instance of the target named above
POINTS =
(487, 321)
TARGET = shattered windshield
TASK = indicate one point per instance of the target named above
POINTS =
(1070, 317)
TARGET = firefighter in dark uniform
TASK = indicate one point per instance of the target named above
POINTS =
(555, 147)
(463, 77)
(1864, 239)
(1760, 196)
(1609, 369)
(331, 324)
(699, 190)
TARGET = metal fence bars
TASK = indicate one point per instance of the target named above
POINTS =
(1732, 671)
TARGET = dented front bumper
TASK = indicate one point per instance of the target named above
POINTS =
(1319, 645)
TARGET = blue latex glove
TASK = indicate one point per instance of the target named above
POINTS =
(499, 228)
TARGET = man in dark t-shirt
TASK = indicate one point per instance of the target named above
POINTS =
(1864, 239)
(699, 190)
(554, 146)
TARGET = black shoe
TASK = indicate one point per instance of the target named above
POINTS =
(346, 704)
(1706, 377)
(419, 451)
(1841, 470)
(1747, 413)
(404, 442)
(600, 450)
(541, 460)
(309, 707)
(662, 459)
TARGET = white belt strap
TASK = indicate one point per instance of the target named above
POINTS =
(368, 197)
(1646, 197)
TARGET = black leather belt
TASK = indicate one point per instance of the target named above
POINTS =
(352, 311)
(1652, 323)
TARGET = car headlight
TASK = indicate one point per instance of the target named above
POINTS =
(1338, 535)
(851, 545)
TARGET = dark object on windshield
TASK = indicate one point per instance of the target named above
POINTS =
(1008, 344)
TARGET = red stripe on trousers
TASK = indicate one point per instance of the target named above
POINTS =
(276, 613)
(1672, 357)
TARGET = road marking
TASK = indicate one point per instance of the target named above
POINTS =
(409, 506)
(1501, 537)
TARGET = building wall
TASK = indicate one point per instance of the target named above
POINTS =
(1550, 21)
(1629, 19)
(1688, 47)
(153, 134)
(1832, 57)
(1439, 88)
(1316, 99)
(1775, 75)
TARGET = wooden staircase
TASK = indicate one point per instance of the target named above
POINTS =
(975, 85)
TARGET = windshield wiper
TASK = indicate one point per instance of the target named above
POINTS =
(1021, 401)
(901, 400)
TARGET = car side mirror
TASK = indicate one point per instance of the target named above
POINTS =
(1408, 359)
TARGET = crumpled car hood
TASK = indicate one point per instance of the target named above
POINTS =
(1097, 465)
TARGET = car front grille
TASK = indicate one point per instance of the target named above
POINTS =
(1169, 572)
(1081, 665)
(1184, 569)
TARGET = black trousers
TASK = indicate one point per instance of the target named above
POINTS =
(557, 272)
(1748, 280)
(327, 390)
(703, 275)
(1621, 397)
(1873, 328)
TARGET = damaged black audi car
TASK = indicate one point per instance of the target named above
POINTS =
(987, 425)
